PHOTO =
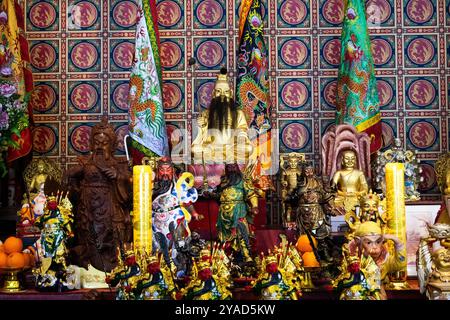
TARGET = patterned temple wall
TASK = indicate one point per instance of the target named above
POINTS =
(82, 50)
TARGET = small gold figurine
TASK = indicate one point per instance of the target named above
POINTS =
(289, 180)
(433, 268)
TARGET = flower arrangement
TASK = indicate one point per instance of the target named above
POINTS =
(13, 106)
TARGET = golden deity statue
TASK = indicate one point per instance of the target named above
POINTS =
(349, 182)
(289, 180)
(371, 208)
(222, 129)
(433, 268)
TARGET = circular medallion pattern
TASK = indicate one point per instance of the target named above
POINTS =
(422, 134)
(125, 14)
(43, 56)
(42, 15)
(79, 139)
(210, 53)
(429, 177)
(378, 11)
(121, 132)
(84, 14)
(44, 139)
(332, 51)
(294, 52)
(294, 94)
(174, 135)
(172, 95)
(209, 12)
(330, 92)
(204, 94)
(385, 92)
(419, 11)
(421, 92)
(381, 51)
(387, 133)
(123, 55)
(43, 98)
(84, 96)
(293, 12)
(169, 13)
(421, 51)
(295, 136)
(84, 55)
(333, 11)
(120, 96)
(170, 54)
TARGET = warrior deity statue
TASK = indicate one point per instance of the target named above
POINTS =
(53, 272)
(236, 192)
(100, 186)
(172, 211)
(289, 179)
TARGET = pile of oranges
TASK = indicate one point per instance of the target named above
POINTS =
(11, 255)
(304, 246)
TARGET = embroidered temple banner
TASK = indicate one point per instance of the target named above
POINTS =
(357, 101)
(147, 126)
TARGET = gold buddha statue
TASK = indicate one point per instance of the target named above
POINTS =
(222, 129)
(349, 182)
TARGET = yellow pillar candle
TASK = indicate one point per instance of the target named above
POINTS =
(395, 207)
(142, 208)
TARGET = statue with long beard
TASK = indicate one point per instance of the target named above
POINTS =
(101, 188)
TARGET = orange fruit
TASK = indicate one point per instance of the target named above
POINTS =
(3, 259)
(13, 244)
(2, 248)
(15, 260)
(309, 260)
(303, 244)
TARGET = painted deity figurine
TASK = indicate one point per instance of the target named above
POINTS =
(172, 211)
(369, 240)
(222, 129)
(359, 279)
(125, 275)
(279, 275)
(236, 193)
(289, 179)
(211, 279)
(413, 169)
(156, 283)
(349, 182)
(433, 267)
(41, 176)
(101, 191)
(53, 272)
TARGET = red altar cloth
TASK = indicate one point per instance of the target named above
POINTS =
(210, 210)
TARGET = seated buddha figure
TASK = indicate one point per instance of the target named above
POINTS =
(349, 182)
(222, 129)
